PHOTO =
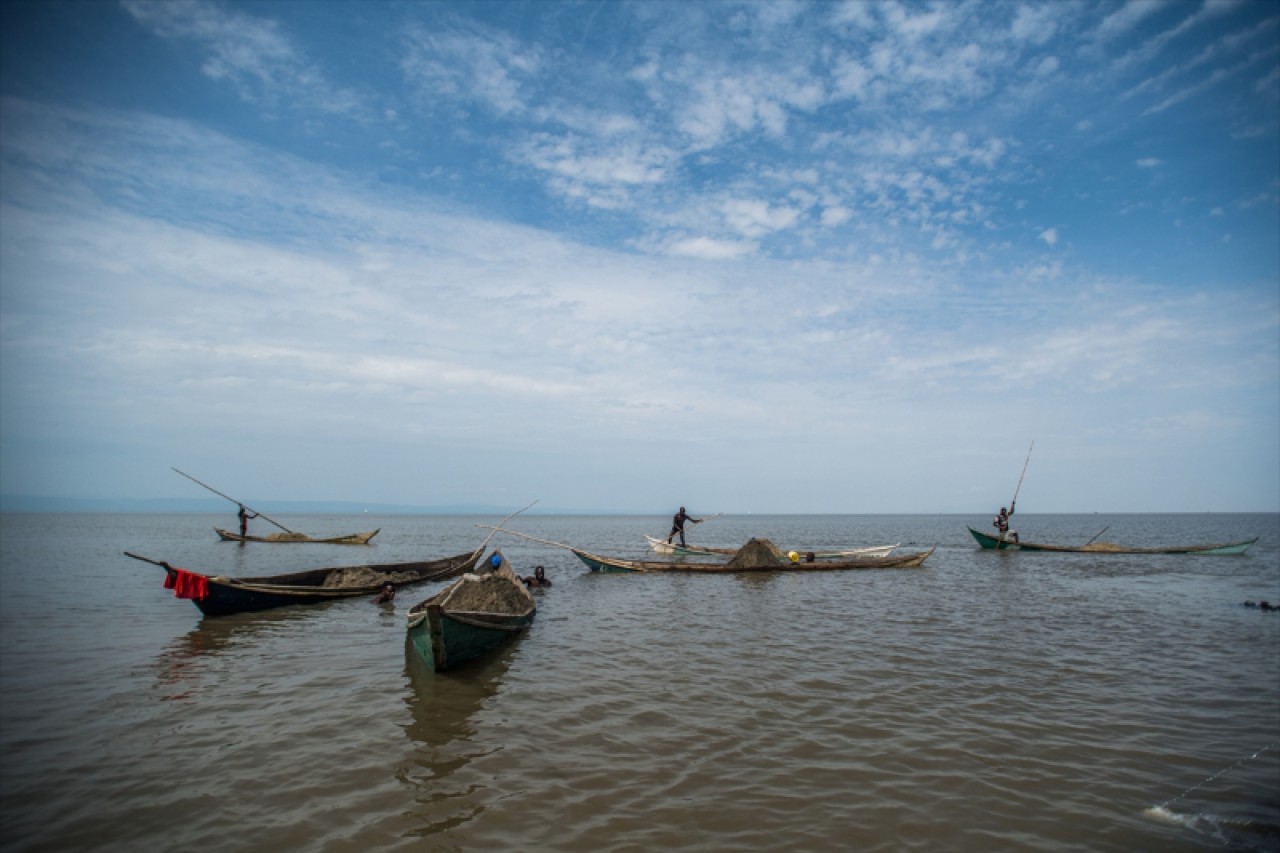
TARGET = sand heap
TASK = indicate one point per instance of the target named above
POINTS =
(366, 576)
(491, 593)
(288, 537)
(756, 554)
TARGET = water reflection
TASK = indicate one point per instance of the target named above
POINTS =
(184, 659)
(444, 724)
(442, 704)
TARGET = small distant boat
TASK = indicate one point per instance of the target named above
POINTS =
(220, 596)
(475, 614)
(278, 538)
(662, 546)
(986, 540)
(773, 561)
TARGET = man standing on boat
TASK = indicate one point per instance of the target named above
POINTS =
(677, 525)
(244, 516)
(1001, 523)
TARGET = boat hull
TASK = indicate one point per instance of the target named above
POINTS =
(614, 565)
(223, 596)
(994, 543)
(444, 641)
(662, 546)
(299, 538)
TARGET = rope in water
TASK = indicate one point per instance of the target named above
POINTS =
(1219, 773)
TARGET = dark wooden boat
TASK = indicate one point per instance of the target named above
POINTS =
(986, 540)
(218, 596)
(773, 562)
(288, 538)
(475, 614)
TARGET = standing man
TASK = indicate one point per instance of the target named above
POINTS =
(1001, 524)
(677, 525)
(245, 515)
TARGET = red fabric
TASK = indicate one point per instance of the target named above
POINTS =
(186, 584)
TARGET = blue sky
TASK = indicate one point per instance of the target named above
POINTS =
(745, 257)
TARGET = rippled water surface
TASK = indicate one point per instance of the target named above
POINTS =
(988, 701)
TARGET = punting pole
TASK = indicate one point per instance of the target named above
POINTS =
(1000, 538)
(234, 501)
(1024, 473)
(1099, 533)
(485, 544)
(527, 536)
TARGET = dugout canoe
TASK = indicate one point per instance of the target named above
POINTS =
(474, 615)
(619, 565)
(662, 546)
(292, 538)
(986, 540)
(216, 595)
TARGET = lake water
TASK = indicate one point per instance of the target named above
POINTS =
(988, 701)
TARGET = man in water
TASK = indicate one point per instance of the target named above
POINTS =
(677, 525)
(539, 578)
(1002, 523)
(388, 594)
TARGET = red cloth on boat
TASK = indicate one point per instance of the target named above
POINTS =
(186, 584)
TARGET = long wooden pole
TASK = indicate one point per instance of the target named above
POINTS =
(1024, 473)
(485, 543)
(234, 501)
(527, 536)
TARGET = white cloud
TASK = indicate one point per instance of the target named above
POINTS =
(491, 68)
(1034, 24)
(707, 248)
(836, 216)
(1050, 236)
(253, 54)
(1123, 20)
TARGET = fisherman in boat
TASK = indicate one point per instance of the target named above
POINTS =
(387, 595)
(677, 525)
(244, 516)
(1001, 523)
(538, 579)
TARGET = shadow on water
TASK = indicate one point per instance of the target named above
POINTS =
(444, 707)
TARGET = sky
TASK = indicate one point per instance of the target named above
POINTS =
(768, 257)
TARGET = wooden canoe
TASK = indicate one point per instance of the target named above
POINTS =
(986, 540)
(598, 563)
(662, 546)
(291, 538)
(218, 596)
(475, 614)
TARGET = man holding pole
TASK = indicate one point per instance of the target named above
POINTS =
(245, 515)
(1001, 524)
(677, 525)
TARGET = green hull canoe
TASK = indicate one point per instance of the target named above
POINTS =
(444, 634)
(988, 541)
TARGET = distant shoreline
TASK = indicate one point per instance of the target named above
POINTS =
(29, 504)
